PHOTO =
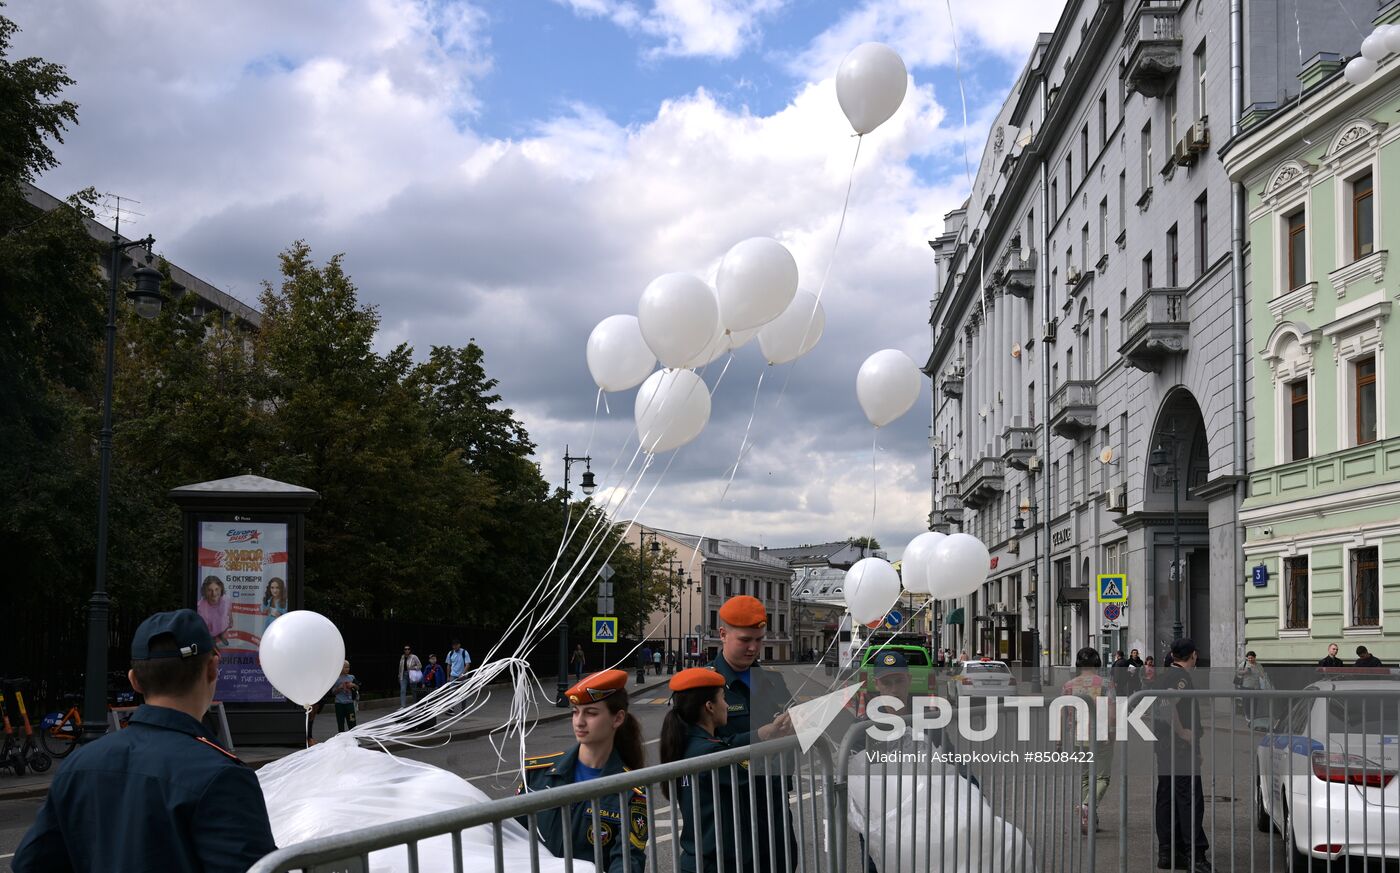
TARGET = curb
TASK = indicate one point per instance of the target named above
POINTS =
(37, 790)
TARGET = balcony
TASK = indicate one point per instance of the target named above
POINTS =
(1020, 447)
(1016, 273)
(983, 482)
(1152, 47)
(953, 383)
(951, 507)
(1073, 409)
(1157, 328)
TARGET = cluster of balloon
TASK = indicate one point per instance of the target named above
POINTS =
(684, 324)
(870, 85)
(887, 386)
(946, 567)
(301, 654)
(1384, 40)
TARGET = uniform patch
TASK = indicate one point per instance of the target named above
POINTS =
(606, 829)
(736, 707)
(1181, 684)
(637, 831)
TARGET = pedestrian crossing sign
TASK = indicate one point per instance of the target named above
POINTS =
(604, 628)
(1113, 588)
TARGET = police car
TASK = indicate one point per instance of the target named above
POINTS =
(1328, 766)
(981, 678)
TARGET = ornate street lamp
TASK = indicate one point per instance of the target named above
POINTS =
(146, 296)
(588, 486)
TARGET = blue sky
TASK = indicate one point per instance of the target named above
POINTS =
(514, 172)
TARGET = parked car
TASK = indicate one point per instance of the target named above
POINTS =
(1327, 770)
(981, 678)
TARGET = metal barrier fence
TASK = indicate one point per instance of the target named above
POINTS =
(992, 791)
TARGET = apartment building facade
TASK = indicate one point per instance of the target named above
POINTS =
(1086, 325)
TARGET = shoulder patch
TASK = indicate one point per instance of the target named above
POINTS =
(535, 762)
(218, 748)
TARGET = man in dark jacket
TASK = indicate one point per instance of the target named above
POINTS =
(1364, 658)
(1331, 660)
(161, 794)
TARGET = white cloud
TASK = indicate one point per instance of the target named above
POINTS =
(686, 28)
(286, 123)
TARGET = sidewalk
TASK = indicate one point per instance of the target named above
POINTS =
(486, 719)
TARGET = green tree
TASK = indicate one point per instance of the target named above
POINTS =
(864, 542)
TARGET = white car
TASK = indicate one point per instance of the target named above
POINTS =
(981, 678)
(1328, 767)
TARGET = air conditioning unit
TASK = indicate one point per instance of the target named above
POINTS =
(1072, 276)
(1200, 135)
(1050, 327)
(1118, 498)
(1183, 153)
(1033, 464)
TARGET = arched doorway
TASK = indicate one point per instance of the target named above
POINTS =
(1178, 533)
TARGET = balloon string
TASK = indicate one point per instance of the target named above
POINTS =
(874, 483)
(831, 259)
(957, 71)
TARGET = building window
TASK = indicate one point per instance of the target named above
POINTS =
(1113, 558)
(1054, 198)
(714, 619)
(1103, 227)
(1170, 107)
(1123, 201)
(1030, 229)
(1103, 119)
(1202, 236)
(782, 623)
(1146, 157)
(1297, 249)
(1363, 217)
(1201, 80)
(782, 592)
(1172, 256)
(1055, 488)
(1295, 592)
(714, 586)
(1084, 147)
(1069, 178)
(1364, 377)
(1147, 271)
(1365, 587)
(1298, 420)
(1103, 340)
(1084, 248)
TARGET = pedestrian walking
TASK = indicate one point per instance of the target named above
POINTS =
(1331, 660)
(1097, 755)
(1364, 658)
(1118, 671)
(644, 658)
(609, 742)
(710, 827)
(459, 661)
(1135, 675)
(576, 662)
(656, 661)
(1149, 672)
(434, 677)
(1250, 676)
(410, 674)
(162, 793)
(346, 692)
(1180, 801)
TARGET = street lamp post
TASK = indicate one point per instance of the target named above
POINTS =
(588, 486)
(1166, 464)
(672, 656)
(642, 595)
(147, 298)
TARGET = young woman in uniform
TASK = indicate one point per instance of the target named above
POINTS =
(698, 710)
(609, 742)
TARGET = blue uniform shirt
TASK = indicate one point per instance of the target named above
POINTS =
(158, 795)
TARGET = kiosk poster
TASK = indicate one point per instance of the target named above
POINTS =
(241, 589)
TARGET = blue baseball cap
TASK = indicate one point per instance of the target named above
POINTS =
(890, 662)
(190, 633)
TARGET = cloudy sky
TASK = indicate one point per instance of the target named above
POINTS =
(517, 170)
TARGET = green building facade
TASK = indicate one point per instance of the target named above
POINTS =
(1322, 516)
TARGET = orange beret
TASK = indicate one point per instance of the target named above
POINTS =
(696, 677)
(597, 687)
(743, 611)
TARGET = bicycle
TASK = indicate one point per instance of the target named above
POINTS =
(61, 732)
(16, 753)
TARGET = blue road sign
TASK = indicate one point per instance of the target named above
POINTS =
(1113, 588)
(604, 629)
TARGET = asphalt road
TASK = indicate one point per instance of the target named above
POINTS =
(1042, 798)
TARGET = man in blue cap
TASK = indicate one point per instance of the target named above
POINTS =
(161, 794)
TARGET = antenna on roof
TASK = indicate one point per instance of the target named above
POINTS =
(115, 206)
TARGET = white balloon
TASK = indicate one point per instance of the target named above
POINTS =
(756, 282)
(959, 567)
(887, 386)
(618, 357)
(677, 314)
(870, 85)
(672, 408)
(721, 342)
(1374, 46)
(1359, 69)
(301, 654)
(871, 588)
(917, 562)
(1392, 37)
(795, 332)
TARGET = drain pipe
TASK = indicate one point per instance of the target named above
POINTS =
(1238, 217)
(1045, 594)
